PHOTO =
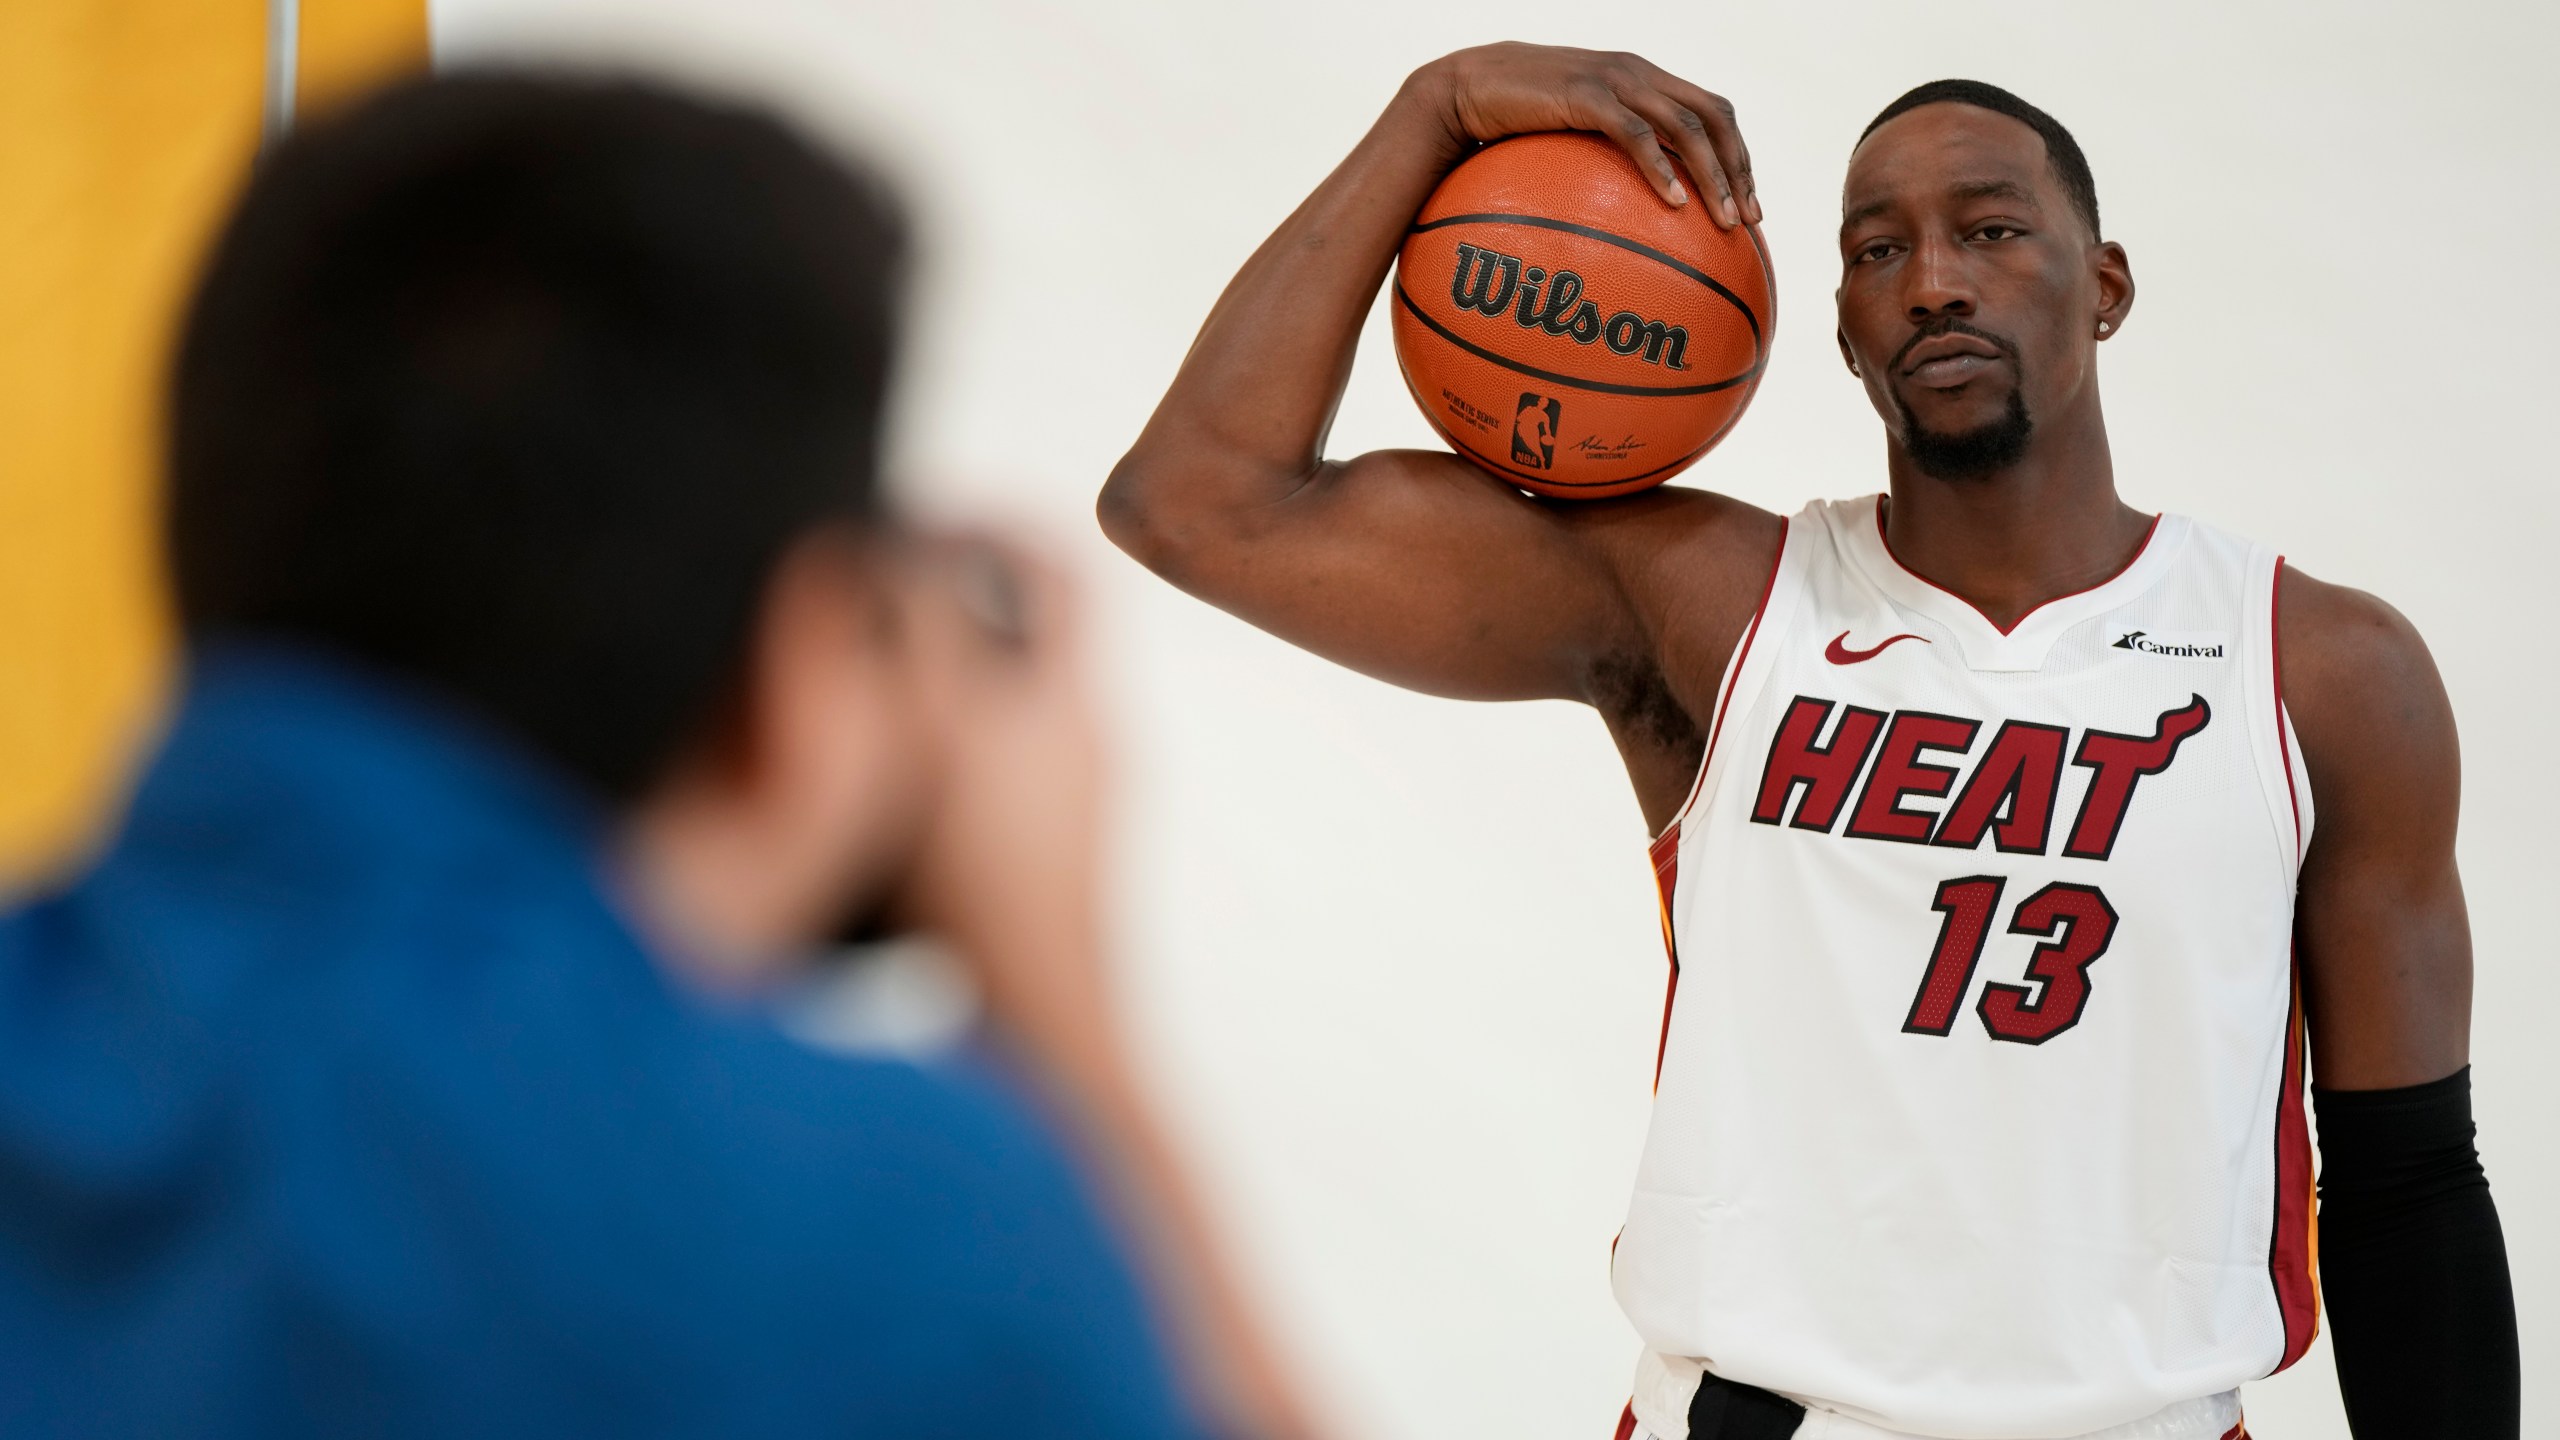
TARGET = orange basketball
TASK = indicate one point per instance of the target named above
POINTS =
(1570, 332)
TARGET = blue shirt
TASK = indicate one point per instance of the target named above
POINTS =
(337, 1098)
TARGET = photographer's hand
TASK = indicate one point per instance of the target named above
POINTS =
(1009, 877)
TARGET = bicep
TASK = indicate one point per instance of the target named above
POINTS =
(2385, 938)
(1414, 567)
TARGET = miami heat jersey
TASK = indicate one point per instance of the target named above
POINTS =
(1979, 1103)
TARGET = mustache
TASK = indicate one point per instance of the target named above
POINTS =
(1932, 328)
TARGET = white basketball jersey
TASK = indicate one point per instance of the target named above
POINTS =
(1979, 1103)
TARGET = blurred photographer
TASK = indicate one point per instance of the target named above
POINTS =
(555, 686)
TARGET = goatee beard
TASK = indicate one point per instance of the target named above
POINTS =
(1974, 454)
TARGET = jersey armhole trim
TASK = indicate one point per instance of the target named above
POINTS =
(2284, 722)
(2293, 1241)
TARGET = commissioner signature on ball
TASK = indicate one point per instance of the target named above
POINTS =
(1599, 449)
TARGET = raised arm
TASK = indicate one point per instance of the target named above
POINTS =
(2412, 1261)
(1414, 566)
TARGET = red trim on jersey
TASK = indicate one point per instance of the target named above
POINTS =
(2236, 1432)
(1978, 610)
(2293, 1251)
(1627, 1422)
(1666, 846)
(1666, 879)
(2274, 657)
(2275, 666)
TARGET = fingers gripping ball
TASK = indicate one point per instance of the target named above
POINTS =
(1570, 332)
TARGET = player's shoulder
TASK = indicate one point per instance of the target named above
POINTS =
(2332, 636)
(2358, 679)
(1677, 539)
(1688, 512)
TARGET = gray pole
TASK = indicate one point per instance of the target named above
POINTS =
(284, 46)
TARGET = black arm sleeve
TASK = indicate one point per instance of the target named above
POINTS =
(2413, 1266)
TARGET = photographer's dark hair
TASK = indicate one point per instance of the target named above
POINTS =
(2069, 165)
(520, 387)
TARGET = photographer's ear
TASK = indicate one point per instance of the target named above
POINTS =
(809, 791)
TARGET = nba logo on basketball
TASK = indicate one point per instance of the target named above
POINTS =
(1533, 430)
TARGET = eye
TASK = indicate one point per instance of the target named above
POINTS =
(1997, 230)
(1874, 250)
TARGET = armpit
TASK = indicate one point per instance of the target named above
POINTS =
(1632, 692)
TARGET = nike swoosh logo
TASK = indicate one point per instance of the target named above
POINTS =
(1839, 653)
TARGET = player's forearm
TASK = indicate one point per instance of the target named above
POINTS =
(2413, 1266)
(1245, 419)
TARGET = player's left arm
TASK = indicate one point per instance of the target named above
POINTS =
(2412, 1262)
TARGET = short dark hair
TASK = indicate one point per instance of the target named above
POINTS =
(2069, 165)
(520, 387)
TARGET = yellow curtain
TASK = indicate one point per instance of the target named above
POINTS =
(348, 45)
(125, 127)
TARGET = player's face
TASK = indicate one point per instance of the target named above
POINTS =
(1970, 290)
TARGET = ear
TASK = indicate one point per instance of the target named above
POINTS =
(2115, 289)
(820, 626)
(828, 650)
(1846, 358)
(804, 795)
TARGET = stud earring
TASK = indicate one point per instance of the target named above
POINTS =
(2105, 325)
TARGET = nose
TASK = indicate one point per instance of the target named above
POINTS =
(1935, 282)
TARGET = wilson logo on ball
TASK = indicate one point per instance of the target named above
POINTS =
(1494, 284)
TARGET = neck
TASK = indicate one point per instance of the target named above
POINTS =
(2050, 525)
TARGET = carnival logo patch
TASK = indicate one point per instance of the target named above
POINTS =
(2175, 644)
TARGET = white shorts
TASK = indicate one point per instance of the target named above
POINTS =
(2207, 1417)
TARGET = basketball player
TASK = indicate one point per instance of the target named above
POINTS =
(2011, 839)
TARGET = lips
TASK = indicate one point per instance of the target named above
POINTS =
(1951, 371)
(1945, 361)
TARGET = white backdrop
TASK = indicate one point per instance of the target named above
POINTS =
(1395, 959)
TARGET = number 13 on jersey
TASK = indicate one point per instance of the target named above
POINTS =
(2073, 924)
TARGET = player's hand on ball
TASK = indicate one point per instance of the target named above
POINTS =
(1492, 91)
